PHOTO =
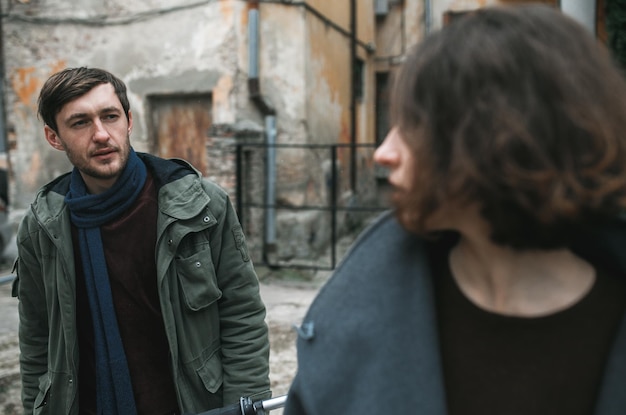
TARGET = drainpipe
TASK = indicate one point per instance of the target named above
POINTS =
(427, 16)
(3, 129)
(4, 164)
(269, 113)
(353, 103)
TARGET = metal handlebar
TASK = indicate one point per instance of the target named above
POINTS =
(245, 406)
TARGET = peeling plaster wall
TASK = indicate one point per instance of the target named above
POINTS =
(306, 71)
(183, 46)
(182, 49)
(329, 81)
(309, 62)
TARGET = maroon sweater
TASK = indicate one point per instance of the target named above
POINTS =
(129, 245)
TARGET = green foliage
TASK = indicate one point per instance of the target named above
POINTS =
(616, 29)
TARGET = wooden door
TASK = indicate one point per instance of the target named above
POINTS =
(180, 126)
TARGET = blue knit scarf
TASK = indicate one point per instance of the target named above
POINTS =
(88, 212)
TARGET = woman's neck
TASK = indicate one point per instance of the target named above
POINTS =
(527, 283)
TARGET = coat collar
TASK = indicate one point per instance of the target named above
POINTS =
(182, 201)
(612, 399)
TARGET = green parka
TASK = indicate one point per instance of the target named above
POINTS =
(209, 294)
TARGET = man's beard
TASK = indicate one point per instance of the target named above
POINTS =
(96, 173)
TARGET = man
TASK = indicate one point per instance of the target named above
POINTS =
(136, 291)
(499, 284)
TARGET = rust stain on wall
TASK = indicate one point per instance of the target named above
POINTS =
(244, 13)
(226, 8)
(26, 86)
(57, 66)
(26, 83)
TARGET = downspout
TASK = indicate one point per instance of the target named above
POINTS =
(269, 114)
(353, 103)
(3, 129)
(4, 148)
(427, 16)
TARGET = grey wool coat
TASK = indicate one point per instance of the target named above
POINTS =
(353, 360)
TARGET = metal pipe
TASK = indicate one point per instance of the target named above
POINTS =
(353, 63)
(274, 403)
(269, 242)
(253, 43)
(239, 182)
(427, 16)
(6, 279)
(333, 206)
(270, 185)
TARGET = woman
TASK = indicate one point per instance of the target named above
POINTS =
(497, 286)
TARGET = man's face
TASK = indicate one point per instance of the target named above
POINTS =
(94, 133)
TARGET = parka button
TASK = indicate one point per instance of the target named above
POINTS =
(198, 264)
(169, 242)
(206, 219)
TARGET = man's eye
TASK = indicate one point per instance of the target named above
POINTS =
(111, 117)
(79, 123)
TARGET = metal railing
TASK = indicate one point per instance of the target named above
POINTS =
(333, 207)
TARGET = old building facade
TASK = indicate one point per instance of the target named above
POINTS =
(204, 76)
(280, 101)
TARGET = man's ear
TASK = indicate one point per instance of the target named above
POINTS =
(53, 138)
(130, 122)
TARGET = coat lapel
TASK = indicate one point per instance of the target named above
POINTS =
(612, 399)
(417, 339)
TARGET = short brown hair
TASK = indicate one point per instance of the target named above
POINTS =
(520, 109)
(72, 83)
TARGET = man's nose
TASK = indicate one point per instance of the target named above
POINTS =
(100, 133)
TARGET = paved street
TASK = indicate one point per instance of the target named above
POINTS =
(8, 311)
(8, 304)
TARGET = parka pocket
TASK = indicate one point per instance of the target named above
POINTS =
(41, 401)
(211, 373)
(198, 280)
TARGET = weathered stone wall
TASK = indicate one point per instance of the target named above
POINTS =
(153, 46)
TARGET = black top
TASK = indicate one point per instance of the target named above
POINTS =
(495, 364)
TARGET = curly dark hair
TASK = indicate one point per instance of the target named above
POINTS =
(72, 83)
(520, 109)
